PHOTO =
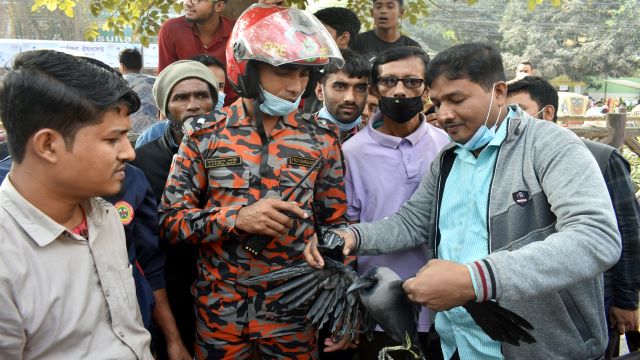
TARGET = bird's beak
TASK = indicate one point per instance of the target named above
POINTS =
(363, 282)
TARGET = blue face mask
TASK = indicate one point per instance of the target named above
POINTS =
(324, 114)
(483, 135)
(220, 103)
(276, 106)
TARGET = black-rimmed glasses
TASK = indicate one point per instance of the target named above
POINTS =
(390, 81)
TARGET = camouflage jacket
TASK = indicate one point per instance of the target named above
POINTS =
(214, 174)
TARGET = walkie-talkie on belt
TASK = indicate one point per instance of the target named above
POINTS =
(256, 243)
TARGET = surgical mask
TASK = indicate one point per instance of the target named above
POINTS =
(324, 114)
(276, 106)
(401, 110)
(483, 135)
(220, 103)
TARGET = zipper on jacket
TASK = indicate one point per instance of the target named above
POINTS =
(493, 174)
(437, 235)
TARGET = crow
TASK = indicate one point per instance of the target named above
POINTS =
(352, 304)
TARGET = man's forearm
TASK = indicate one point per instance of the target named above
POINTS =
(163, 317)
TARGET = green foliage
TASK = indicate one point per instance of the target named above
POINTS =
(143, 16)
(146, 16)
(66, 6)
(634, 161)
(582, 38)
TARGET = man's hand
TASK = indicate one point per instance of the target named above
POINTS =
(623, 320)
(268, 217)
(331, 346)
(313, 256)
(440, 285)
(177, 351)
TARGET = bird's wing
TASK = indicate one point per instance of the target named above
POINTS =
(285, 273)
(499, 323)
(322, 291)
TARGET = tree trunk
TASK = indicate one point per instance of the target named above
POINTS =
(234, 8)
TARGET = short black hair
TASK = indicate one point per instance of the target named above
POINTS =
(54, 90)
(526, 63)
(395, 54)
(540, 90)
(341, 19)
(401, 2)
(479, 62)
(356, 65)
(131, 59)
(208, 60)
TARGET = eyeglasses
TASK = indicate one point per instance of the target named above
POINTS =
(390, 81)
(196, 2)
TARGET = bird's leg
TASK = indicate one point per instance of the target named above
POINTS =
(408, 346)
(382, 355)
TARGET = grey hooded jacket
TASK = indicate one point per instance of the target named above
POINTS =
(547, 251)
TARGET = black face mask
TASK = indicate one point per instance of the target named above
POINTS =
(400, 110)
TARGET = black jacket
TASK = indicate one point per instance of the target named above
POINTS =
(154, 159)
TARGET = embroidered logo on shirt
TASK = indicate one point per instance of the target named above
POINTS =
(521, 197)
(301, 161)
(125, 212)
(219, 162)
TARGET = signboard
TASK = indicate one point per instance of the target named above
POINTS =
(106, 52)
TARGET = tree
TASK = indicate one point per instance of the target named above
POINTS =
(582, 38)
(146, 16)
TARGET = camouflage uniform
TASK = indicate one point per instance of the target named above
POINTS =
(215, 173)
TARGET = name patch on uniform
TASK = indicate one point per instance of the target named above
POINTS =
(225, 161)
(301, 161)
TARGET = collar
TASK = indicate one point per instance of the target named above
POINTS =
(168, 140)
(501, 135)
(237, 116)
(394, 141)
(39, 226)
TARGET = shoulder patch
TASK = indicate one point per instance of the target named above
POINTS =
(125, 212)
(197, 123)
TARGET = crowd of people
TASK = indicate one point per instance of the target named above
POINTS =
(133, 206)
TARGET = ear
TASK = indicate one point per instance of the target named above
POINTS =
(548, 112)
(219, 6)
(371, 12)
(47, 144)
(319, 92)
(343, 40)
(500, 93)
(401, 10)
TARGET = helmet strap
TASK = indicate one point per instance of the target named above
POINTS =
(257, 113)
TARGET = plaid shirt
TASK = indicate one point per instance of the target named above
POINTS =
(622, 281)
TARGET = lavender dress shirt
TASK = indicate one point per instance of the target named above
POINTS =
(382, 172)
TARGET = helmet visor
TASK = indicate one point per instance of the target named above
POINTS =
(283, 37)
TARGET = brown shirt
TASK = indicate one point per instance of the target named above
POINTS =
(63, 296)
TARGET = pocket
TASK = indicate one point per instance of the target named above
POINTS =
(230, 185)
(128, 287)
(236, 177)
(574, 314)
(290, 178)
